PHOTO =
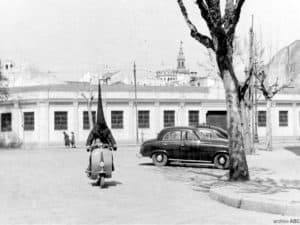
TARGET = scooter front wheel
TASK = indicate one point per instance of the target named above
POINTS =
(101, 181)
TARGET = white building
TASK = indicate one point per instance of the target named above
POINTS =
(39, 114)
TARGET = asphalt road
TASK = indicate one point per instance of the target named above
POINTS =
(50, 187)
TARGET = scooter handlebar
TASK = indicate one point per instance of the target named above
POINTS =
(91, 148)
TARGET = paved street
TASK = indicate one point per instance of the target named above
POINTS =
(50, 186)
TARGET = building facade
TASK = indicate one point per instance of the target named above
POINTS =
(39, 114)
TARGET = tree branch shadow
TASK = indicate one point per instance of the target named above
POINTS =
(204, 180)
(268, 186)
(293, 149)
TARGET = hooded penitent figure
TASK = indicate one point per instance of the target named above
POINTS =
(100, 130)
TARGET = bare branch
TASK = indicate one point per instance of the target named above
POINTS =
(204, 12)
(203, 39)
(244, 88)
(210, 12)
(261, 77)
(232, 15)
(83, 95)
(280, 88)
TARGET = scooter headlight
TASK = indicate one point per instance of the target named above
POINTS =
(101, 164)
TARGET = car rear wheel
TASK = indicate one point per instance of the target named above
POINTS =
(160, 159)
(221, 161)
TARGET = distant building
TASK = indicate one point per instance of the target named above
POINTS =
(179, 76)
(24, 74)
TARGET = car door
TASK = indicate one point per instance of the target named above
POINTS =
(209, 143)
(171, 143)
(190, 148)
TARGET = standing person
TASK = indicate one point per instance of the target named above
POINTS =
(66, 139)
(73, 140)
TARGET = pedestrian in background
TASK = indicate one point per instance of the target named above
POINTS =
(66, 139)
(73, 140)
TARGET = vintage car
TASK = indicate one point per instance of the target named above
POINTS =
(188, 144)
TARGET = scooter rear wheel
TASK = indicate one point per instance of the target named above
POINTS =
(101, 182)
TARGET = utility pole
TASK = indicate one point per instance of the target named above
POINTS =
(253, 84)
(255, 117)
(135, 103)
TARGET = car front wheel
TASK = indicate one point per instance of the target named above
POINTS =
(221, 161)
(160, 159)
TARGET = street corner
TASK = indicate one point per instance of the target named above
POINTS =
(244, 196)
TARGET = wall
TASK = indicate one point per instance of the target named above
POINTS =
(44, 102)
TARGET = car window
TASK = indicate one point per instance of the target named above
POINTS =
(172, 136)
(189, 135)
(207, 134)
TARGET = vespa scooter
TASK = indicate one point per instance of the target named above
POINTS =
(101, 163)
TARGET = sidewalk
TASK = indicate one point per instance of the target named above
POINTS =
(274, 186)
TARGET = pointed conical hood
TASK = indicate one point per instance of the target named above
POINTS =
(100, 115)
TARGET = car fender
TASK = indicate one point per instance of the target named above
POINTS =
(159, 150)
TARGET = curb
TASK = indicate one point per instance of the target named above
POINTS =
(287, 208)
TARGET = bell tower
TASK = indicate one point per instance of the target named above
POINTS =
(181, 59)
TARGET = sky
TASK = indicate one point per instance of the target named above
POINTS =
(72, 37)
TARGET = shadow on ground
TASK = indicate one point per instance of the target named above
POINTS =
(268, 186)
(294, 149)
(107, 184)
(177, 164)
(200, 176)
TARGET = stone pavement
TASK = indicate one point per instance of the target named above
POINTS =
(274, 186)
(50, 187)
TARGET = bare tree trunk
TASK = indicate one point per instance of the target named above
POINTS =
(269, 144)
(251, 129)
(238, 169)
(246, 128)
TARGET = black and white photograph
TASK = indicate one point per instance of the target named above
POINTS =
(149, 112)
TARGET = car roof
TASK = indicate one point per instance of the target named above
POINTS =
(165, 130)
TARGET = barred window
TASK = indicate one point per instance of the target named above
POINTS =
(283, 118)
(86, 123)
(117, 119)
(143, 119)
(169, 118)
(261, 118)
(6, 122)
(28, 120)
(193, 118)
(60, 120)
